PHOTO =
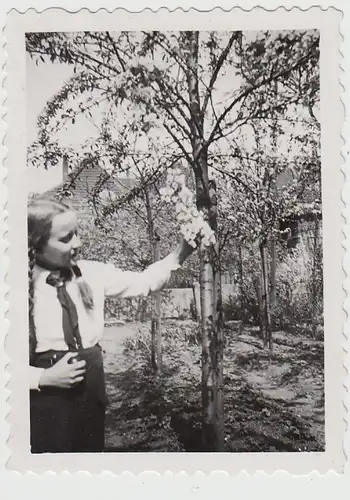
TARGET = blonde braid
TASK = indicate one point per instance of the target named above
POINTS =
(84, 289)
(32, 332)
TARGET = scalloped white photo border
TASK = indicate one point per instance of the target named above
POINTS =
(237, 467)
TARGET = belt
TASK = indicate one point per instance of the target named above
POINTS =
(94, 381)
(49, 358)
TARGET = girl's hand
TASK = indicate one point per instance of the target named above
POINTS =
(184, 250)
(66, 373)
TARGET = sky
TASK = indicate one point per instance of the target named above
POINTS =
(43, 81)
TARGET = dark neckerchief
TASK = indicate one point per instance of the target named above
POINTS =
(58, 279)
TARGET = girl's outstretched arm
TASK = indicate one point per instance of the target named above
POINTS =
(126, 284)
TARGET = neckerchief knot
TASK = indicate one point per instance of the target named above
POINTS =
(59, 277)
(58, 280)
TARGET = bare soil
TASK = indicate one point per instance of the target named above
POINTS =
(274, 401)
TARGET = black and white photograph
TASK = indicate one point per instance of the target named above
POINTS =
(175, 255)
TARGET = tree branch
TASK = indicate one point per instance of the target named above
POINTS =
(166, 89)
(182, 127)
(179, 143)
(217, 69)
(134, 192)
(116, 51)
(251, 89)
(97, 61)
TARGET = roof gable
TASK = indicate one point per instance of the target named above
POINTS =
(81, 183)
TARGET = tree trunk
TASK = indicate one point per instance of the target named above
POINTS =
(208, 382)
(157, 311)
(273, 273)
(314, 277)
(156, 335)
(217, 343)
(265, 296)
(272, 296)
(212, 335)
(240, 278)
(262, 325)
(273, 285)
(194, 311)
(210, 279)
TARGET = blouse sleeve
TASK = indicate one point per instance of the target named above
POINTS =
(126, 284)
(34, 377)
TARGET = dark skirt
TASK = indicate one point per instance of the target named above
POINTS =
(69, 420)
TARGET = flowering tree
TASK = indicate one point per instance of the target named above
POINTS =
(268, 184)
(190, 91)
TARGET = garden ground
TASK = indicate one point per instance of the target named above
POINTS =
(273, 401)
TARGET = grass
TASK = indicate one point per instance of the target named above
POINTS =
(273, 401)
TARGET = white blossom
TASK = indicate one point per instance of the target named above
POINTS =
(191, 221)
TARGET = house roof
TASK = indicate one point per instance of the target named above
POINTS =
(81, 183)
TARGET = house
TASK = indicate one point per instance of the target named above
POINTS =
(88, 180)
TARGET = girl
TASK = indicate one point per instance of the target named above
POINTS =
(66, 304)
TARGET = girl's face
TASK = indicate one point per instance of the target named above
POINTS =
(62, 248)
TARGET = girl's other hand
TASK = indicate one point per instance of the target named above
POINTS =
(66, 373)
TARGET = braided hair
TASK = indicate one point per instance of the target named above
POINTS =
(32, 334)
(41, 213)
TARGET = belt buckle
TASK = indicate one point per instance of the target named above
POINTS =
(53, 359)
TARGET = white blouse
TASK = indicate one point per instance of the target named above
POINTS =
(105, 281)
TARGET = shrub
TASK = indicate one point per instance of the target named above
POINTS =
(180, 345)
(231, 308)
(299, 287)
(299, 297)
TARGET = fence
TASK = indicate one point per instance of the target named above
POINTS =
(180, 303)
